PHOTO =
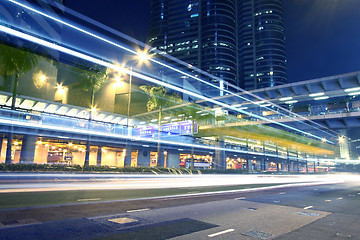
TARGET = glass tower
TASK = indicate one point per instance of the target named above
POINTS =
(261, 43)
(240, 42)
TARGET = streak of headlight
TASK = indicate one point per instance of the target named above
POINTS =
(135, 74)
(172, 68)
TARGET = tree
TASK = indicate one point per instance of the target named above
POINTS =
(91, 79)
(158, 99)
(15, 61)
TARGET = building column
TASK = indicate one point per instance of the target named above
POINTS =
(220, 157)
(277, 159)
(143, 157)
(98, 156)
(28, 149)
(127, 159)
(173, 159)
(247, 157)
(263, 160)
(297, 161)
(288, 159)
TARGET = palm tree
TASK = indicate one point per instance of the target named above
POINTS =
(91, 79)
(158, 99)
(15, 61)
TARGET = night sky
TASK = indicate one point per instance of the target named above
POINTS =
(322, 36)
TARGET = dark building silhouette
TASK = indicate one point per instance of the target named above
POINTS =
(241, 42)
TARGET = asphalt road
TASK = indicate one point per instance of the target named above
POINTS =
(324, 210)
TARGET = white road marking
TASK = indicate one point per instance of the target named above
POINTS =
(88, 199)
(138, 210)
(308, 207)
(282, 193)
(222, 232)
(339, 198)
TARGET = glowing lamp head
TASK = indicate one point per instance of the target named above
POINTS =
(60, 89)
(143, 56)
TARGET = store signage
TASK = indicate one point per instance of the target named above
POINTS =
(169, 129)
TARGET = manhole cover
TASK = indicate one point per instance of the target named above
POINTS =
(309, 214)
(257, 234)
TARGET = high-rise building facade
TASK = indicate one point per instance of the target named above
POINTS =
(241, 42)
(261, 34)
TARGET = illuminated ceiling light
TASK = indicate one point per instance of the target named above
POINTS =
(353, 93)
(341, 139)
(317, 94)
(60, 89)
(93, 109)
(352, 89)
(266, 105)
(154, 120)
(291, 102)
(39, 79)
(259, 102)
(118, 82)
(242, 108)
(285, 99)
(166, 118)
(321, 98)
(142, 122)
(39, 142)
(323, 140)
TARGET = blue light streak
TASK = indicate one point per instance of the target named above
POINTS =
(153, 80)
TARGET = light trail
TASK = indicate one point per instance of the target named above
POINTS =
(169, 67)
(159, 182)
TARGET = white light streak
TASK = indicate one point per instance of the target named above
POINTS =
(112, 66)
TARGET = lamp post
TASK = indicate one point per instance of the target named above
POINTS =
(142, 57)
(128, 150)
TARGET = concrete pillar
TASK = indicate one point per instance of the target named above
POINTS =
(143, 157)
(127, 161)
(28, 149)
(297, 162)
(288, 160)
(277, 159)
(173, 159)
(98, 156)
(8, 148)
(248, 162)
(263, 161)
(220, 158)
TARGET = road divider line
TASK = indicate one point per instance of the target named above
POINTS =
(222, 232)
(88, 199)
(138, 210)
(308, 207)
(240, 198)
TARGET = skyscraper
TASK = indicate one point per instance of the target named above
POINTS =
(262, 58)
(240, 42)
